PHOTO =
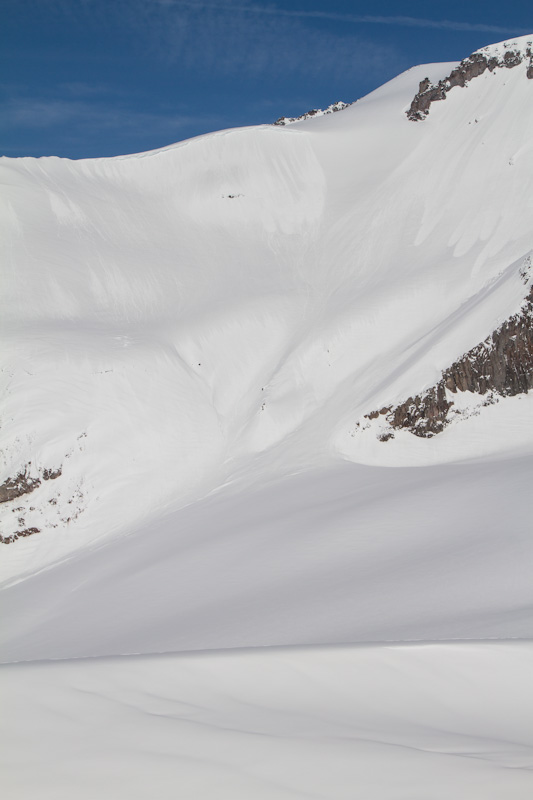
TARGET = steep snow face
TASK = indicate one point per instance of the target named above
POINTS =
(148, 299)
(232, 305)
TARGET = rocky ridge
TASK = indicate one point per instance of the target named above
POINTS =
(500, 366)
(469, 68)
(315, 112)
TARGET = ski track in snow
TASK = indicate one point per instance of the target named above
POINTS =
(191, 337)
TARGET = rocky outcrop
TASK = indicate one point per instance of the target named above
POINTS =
(315, 112)
(467, 70)
(51, 474)
(23, 483)
(15, 487)
(17, 535)
(424, 415)
(501, 365)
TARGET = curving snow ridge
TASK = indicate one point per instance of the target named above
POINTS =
(520, 44)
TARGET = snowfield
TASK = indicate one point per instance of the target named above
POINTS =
(193, 339)
(380, 722)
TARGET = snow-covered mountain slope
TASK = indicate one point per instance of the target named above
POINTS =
(270, 387)
(226, 311)
(169, 315)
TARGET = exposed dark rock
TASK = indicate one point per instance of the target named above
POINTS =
(15, 487)
(27, 532)
(511, 59)
(23, 483)
(529, 54)
(51, 474)
(500, 365)
(375, 414)
(469, 68)
(503, 363)
(423, 415)
(338, 106)
(18, 535)
(422, 101)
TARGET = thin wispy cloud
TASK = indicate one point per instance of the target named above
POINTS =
(38, 113)
(354, 19)
(223, 38)
(139, 73)
(69, 121)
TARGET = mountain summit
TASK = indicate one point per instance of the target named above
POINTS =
(506, 55)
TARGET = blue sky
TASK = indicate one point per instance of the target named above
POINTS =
(85, 78)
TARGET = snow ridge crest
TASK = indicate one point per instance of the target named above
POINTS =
(314, 112)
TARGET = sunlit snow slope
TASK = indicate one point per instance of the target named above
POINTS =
(187, 329)
(198, 343)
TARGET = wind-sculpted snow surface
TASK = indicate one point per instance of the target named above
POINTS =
(384, 723)
(198, 343)
(349, 553)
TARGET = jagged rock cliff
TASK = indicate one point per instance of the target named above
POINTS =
(469, 68)
(501, 365)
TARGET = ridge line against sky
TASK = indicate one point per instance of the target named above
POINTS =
(97, 78)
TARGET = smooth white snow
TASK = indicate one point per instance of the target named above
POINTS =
(375, 723)
(348, 553)
(192, 335)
